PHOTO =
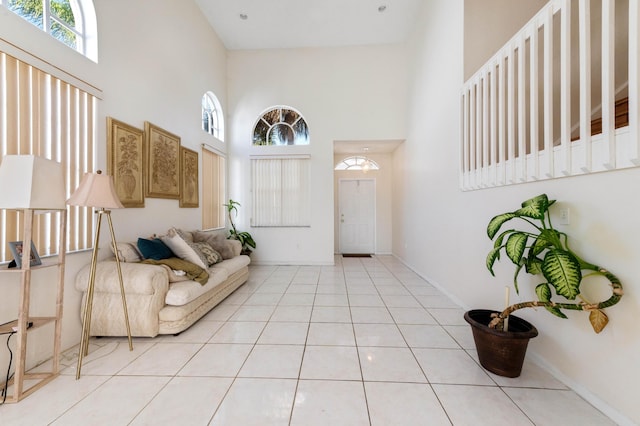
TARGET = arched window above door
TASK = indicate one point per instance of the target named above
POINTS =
(357, 163)
(281, 125)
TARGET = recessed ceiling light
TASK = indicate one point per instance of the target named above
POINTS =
(244, 16)
(382, 8)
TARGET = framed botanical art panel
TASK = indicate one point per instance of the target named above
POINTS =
(125, 155)
(162, 162)
(189, 178)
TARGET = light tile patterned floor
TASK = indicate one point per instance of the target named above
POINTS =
(364, 342)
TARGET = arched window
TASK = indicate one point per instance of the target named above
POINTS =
(357, 163)
(281, 126)
(73, 22)
(212, 118)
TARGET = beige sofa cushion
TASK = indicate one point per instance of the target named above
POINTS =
(232, 265)
(183, 292)
(137, 278)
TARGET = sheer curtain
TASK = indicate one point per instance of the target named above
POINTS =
(281, 195)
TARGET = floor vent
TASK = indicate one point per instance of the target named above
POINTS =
(356, 255)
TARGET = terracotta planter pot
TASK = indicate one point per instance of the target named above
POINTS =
(500, 352)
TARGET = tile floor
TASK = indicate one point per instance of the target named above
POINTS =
(364, 342)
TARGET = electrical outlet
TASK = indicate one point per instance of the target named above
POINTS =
(564, 216)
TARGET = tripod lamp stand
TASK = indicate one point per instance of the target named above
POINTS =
(96, 190)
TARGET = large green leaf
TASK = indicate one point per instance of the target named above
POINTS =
(496, 223)
(534, 265)
(247, 239)
(515, 246)
(535, 207)
(544, 295)
(562, 271)
(544, 240)
(491, 258)
(515, 276)
(500, 238)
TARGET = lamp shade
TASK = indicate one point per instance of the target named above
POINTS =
(96, 190)
(31, 182)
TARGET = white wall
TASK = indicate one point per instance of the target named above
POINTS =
(440, 231)
(156, 60)
(344, 94)
(489, 24)
(383, 179)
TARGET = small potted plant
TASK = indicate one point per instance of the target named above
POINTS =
(248, 244)
(543, 251)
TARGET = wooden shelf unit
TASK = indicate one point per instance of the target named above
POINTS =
(25, 323)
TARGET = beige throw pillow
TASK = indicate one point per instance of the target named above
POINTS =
(216, 240)
(127, 252)
(179, 245)
(208, 252)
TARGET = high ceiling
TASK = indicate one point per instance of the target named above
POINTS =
(277, 24)
(270, 24)
(365, 147)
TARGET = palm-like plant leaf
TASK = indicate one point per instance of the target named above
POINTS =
(498, 241)
(534, 265)
(247, 239)
(515, 246)
(496, 223)
(535, 207)
(544, 295)
(515, 275)
(544, 240)
(491, 258)
(562, 271)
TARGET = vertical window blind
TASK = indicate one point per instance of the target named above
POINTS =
(45, 116)
(281, 194)
(213, 189)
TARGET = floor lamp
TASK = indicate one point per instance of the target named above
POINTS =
(96, 190)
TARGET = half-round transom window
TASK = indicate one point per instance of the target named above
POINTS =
(357, 163)
(281, 126)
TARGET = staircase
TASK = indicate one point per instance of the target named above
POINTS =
(621, 117)
(526, 111)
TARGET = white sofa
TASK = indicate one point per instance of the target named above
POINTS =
(159, 301)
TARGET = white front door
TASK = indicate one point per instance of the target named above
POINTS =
(357, 215)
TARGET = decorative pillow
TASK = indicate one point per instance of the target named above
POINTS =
(236, 247)
(186, 235)
(127, 252)
(176, 241)
(208, 252)
(217, 241)
(154, 249)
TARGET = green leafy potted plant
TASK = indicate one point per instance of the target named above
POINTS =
(248, 244)
(543, 251)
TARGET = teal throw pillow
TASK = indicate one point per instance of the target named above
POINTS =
(154, 249)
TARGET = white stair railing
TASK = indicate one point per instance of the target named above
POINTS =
(516, 112)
